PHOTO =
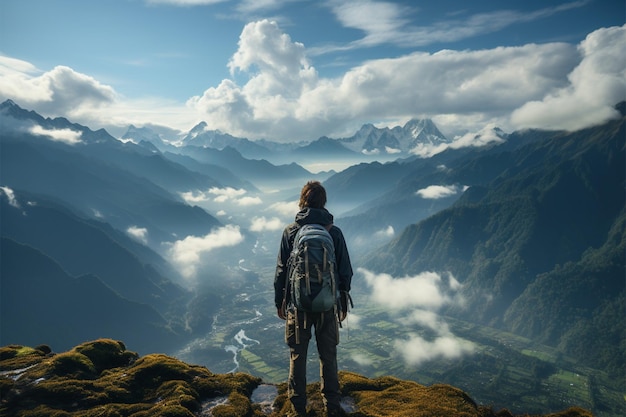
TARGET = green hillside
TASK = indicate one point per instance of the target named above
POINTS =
(540, 249)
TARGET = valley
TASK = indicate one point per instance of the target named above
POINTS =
(503, 370)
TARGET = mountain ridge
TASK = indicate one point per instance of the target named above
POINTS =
(560, 204)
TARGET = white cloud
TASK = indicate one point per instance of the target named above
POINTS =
(361, 359)
(194, 197)
(225, 194)
(61, 91)
(249, 201)
(596, 84)
(386, 22)
(385, 233)
(10, 196)
(415, 301)
(259, 224)
(67, 136)
(417, 349)
(138, 233)
(284, 94)
(427, 290)
(279, 94)
(221, 195)
(187, 254)
(284, 208)
(488, 135)
(434, 192)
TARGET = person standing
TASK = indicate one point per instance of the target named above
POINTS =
(299, 323)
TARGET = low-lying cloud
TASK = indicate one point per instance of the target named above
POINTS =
(67, 136)
(140, 234)
(416, 349)
(187, 254)
(285, 208)
(8, 192)
(426, 290)
(434, 192)
(260, 224)
(415, 300)
(232, 195)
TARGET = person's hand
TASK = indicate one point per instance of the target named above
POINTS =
(344, 304)
(282, 312)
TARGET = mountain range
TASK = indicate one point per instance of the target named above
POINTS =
(537, 241)
(530, 225)
(399, 141)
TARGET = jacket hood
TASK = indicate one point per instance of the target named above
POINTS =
(314, 216)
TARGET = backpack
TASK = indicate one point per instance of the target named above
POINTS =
(312, 270)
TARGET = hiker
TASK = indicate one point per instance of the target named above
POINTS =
(299, 321)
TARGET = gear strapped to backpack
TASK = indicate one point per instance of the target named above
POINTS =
(313, 270)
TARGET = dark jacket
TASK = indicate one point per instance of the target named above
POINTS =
(311, 216)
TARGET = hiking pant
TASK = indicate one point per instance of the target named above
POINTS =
(298, 335)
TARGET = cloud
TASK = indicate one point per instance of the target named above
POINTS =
(221, 195)
(10, 196)
(59, 91)
(284, 208)
(426, 290)
(416, 349)
(385, 233)
(415, 300)
(260, 224)
(387, 23)
(596, 84)
(284, 94)
(67, 136)
(362, 359)
(187, 254)
(225, 194)
(434, 192)
(138, 233)
(249, 201)
(488, 135)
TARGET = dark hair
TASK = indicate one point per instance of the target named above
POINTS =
(313, 195)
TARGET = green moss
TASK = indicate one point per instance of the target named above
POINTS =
(103, 379)
(106, 354)
(14, 357)
(238, 405)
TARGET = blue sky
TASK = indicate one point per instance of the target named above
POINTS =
(297, 69)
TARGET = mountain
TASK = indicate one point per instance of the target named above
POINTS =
(538, 249)
(102, 376)
(41, 302)
(370, 139)
(399, 193)
(98, 175)
(258, 169)
(83, 246)
(201, 136)
(324, 148)
(146, 136)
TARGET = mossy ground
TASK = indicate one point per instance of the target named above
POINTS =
(101, 378)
